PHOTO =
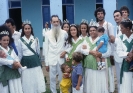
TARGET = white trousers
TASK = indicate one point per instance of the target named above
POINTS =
(118, 70)
(54, 70)
(78, 91)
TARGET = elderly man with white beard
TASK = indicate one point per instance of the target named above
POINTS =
(55, 51)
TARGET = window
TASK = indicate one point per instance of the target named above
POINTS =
(67, 2)
(14, 4)
(99, 3)
(45, 2)
(68, 10)
(46, 11)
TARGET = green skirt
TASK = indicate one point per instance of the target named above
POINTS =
(7, 74)
(30, 61)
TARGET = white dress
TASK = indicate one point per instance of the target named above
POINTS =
(15, 85)
(32, 78)
(43, 33)
(99, 81)
(127, 79)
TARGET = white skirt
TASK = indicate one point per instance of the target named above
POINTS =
(33, 80)
(96, 81)
(127, 83)
(15, 86)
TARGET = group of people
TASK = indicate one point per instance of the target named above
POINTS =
(81, 57)
(20, 66)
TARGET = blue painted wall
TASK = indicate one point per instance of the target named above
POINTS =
(128, 3)
(32, 10)
(84, 9)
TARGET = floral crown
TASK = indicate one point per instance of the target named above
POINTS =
(4, 33)
(84, 21)
(93, 23)
(26, 22)
(66, 21)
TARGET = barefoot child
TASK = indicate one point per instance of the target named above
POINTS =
(65, 83)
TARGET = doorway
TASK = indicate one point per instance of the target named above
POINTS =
(15, 14)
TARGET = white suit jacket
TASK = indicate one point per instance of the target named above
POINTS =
(116, 57)
(53, 49)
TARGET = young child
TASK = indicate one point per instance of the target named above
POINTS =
(101, 47)
(7, 56)
(77, 73)
(65, 83)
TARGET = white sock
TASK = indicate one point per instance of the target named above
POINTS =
(99, 63)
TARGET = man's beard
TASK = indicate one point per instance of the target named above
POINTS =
(56, 31)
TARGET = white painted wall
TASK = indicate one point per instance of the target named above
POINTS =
(56, 8)
(4, 11)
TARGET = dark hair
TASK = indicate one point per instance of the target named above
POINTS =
(77, 56)
(100, 29)
(64, 24)
(99, 10)
(125, 8)
(60, 22)
(93, 26)
(63, 67)
(127, 23)
(117, 11)
(69, 40)
(5, 28)
(87, 31)
(22, 34)
(54, 16)
(10, 20)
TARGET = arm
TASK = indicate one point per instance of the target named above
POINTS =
(79, 82)
(38, 46)
(99, 46)
(108, 53)
(4, 61)
(20, 52)
(121, 49)
(46, 49)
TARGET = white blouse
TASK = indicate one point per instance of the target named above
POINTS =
(121, 49)
(23, 50)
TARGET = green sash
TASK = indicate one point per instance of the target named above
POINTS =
(26, 60)
(90, 60)
(125, 64)
(73, 49)
(7, 73)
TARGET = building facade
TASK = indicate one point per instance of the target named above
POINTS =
(39, 11)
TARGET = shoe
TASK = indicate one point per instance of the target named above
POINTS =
(99, 67)
(103, 67)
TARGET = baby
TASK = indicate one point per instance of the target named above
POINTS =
(7, 56)
(101, 47)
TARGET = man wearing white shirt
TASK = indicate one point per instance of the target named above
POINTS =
(15, 34)
(55, 51)
(109, 30)
(118, 18)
